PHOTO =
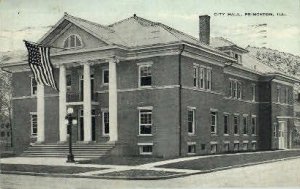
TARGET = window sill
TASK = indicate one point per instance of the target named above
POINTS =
(191, 154)
(214, 134)
(146, 153)
(253, 135)
(245, 135)
(141, 135)
(147, 86)
(226, 134)
(105, 135)
(236, 135)
(191, 134)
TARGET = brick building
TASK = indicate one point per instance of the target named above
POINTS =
(149, 89)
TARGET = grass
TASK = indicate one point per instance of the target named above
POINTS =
(208, 163)
(46, 169)
(115, 160)
(134, 173)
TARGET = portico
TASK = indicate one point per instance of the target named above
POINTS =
(87, 104)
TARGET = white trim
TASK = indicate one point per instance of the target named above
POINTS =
(202, 90)
(141, 65)
(283, 82)
(69, 42)
(213, 110)
(32, 97)
(191, 143)
(140, 145)
(236, 141)
(253, 141)
(284, 117)
(191, 108)
(245, 141)
(149, 63)
(213, 142)
(241, 76)
(194, 121)
(226, 142)
(145, 143)
(145, 108)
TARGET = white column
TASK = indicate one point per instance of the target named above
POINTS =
(113, 101)
(87, 105)
(62, 104)
(40, 113)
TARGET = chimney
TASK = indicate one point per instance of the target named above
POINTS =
(204, 29)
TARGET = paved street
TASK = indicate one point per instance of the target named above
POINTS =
(278, 174)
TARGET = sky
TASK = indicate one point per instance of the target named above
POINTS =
(31, 19)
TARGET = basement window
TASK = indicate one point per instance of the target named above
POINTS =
(145, 148)
(191, 148)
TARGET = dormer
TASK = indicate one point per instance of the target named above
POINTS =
(229, 48)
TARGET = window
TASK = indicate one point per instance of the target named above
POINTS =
(145, 148)
(202, 76)
(278, 94)
(286, 95)
(245, 146)
(238, 57)
(208, 79)
(69, 81)
(33, 86)
(33, 120)
(145, 121)
(191, 121)
(226, 123)
(105, 122)
(253, 125)
(253, 89)
(236, 124)
(195, 76)
(105, 77)
(213, 148)
(145, 75)
(2, 134)
(202, 146)
(236, 146)
(275, 130)
(213, 115)
(235, 89)
(191, 148)
(226, 147)
(72, 41)
(253, 145)
(245, 125)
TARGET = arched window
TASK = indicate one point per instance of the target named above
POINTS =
(72, 41)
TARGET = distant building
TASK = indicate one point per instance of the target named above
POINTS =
(149, 89)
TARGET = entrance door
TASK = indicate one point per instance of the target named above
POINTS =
(282, 135)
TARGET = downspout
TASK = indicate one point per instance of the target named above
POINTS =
(271, 111)
(179, 98)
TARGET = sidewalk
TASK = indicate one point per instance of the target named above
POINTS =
(157, 170)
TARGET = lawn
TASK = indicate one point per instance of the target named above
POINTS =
(210, 162)
(46, 169)
(114, 160)
(136, 173)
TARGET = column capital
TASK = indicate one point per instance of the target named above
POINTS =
(114, 59)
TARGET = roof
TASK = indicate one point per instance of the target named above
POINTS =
(223, 44)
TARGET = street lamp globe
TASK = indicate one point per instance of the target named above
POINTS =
(70, 110)
(74, 121)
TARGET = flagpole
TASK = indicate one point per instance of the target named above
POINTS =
(45, 46)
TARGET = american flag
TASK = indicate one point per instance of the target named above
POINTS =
(39, 62)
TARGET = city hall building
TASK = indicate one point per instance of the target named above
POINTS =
(140, 87)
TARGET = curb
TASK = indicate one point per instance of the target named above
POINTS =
(143, 178)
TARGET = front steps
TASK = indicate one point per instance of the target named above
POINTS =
(61, 150)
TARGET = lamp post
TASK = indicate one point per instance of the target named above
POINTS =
(70, 120)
